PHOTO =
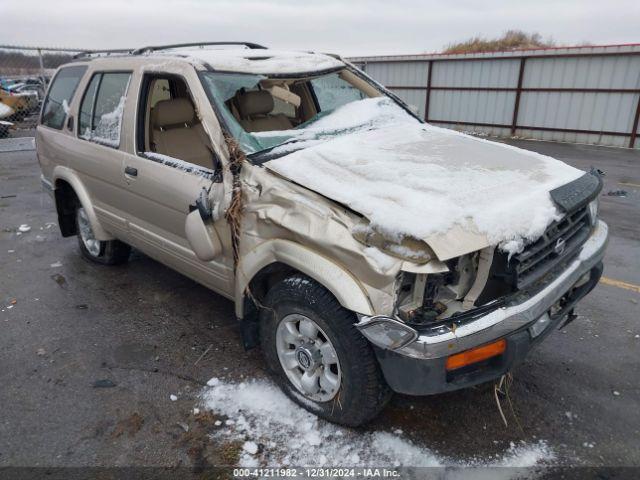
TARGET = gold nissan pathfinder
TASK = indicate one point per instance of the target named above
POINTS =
(366, 251)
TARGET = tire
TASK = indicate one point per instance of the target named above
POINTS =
(111, 252)
(362, 391)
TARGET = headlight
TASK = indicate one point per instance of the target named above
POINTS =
(408, 248)
(592, 209)
(386, 332)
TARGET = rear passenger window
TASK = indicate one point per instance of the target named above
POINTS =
(60, 94)
(102, 107)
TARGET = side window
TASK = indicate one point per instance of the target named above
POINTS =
(102, 108)
(60, 94)
(159, 91)
(169, 131)
(86, 107)
(332, 92)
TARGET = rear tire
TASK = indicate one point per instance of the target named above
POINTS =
(350, 389)
(110, 252)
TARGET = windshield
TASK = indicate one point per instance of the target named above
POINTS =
(282, 115)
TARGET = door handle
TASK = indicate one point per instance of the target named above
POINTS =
(131, 171)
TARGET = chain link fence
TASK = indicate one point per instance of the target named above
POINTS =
(25, 73)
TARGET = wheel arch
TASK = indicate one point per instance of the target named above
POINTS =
(276, 259)
(69, 192)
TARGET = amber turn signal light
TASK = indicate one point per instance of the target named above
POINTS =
(475, 355)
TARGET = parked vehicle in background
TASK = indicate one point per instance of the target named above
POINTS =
(7, 82)
(21, 103)
(28, 86)
(23, 95)
(366, 251)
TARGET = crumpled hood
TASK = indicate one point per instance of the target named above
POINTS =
(456, 192)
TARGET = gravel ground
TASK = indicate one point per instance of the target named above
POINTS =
(102, 366)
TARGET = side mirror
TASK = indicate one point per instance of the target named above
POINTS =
(203, 205)
(202, 237)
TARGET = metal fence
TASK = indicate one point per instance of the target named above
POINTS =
(581, 94)
(24, 75)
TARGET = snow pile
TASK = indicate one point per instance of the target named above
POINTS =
(412, 179)
(5, 110)
(276, 432)
(261, 61)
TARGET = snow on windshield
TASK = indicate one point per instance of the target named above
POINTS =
(342, 107)
(367, 114)
(419, 180)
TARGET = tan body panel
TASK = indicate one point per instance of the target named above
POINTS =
(282, 222)
(344, 286)
(150, 210)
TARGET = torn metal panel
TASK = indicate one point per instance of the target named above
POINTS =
(278, 209)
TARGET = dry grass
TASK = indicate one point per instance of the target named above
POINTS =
(233, 214)
(130, 425)
(510, 40)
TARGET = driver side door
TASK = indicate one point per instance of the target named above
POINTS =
(170, 163)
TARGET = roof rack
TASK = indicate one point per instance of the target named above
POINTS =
(101, 53)
(140, 51)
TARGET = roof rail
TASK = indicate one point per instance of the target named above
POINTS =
(101, 53)
(140, 51)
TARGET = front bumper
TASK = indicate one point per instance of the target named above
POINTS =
(418, 366)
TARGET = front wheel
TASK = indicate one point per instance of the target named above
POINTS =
(319, 358)
(110, 252)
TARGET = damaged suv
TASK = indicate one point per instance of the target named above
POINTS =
(365, 250)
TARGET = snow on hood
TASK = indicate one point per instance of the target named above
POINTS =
(262, 61)
(413, 179)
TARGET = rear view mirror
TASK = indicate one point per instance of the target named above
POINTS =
(202, 237)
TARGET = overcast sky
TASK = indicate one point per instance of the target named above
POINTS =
(346, 27)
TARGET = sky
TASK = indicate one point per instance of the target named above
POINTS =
(349, 28)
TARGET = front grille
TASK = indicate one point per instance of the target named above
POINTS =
(508, 275)
(559, 242)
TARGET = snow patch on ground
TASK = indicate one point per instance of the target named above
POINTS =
(276, 432)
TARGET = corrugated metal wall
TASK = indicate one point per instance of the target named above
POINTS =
(582, 95)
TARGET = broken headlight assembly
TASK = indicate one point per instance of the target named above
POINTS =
(426, 298)
(408, 248)
(386, 332)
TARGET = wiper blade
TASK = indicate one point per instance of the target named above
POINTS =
(258, 158)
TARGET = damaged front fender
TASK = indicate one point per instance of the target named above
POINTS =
(344, 286)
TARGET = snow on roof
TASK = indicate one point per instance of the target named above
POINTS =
(260, 61)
